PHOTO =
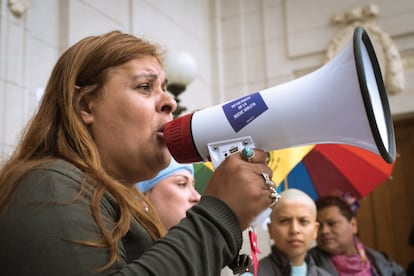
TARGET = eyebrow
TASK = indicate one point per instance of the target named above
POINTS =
(328, 221)
(151, 77)
(180, 175)
(184, 176)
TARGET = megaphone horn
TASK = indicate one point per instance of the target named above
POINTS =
(343, 102)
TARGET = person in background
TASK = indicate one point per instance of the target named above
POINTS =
(68, 200)
(172, 192)
(293, 229)
(339, 250)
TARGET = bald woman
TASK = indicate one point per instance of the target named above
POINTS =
(293, 228)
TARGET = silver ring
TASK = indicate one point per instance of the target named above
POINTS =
(269, 183)
(274, 196)
(247, 153)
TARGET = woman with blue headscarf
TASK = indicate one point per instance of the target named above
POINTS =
(171, 192)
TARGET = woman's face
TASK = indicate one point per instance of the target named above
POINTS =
(336, 232)
(127, 118)
(293, 228)
(173, 196)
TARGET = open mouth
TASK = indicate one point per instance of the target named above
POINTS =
(160, 131)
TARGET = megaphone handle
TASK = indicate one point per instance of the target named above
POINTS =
(219, 151)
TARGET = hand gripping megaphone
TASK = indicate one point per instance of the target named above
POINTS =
(343, 102)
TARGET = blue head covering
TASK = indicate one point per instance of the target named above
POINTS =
(170, 170)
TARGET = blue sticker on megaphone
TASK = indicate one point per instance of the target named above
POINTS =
(243, 111)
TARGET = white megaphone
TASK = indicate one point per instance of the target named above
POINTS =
(343, 102)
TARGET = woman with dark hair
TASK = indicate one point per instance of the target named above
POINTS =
(339, 250)
(68, 200)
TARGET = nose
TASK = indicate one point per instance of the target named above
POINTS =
(195, 196)
(167, 104)
(323, 228)
(294, 227)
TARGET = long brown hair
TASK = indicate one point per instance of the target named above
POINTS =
(57, 131)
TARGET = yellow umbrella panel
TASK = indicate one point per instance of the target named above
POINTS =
(280, 161)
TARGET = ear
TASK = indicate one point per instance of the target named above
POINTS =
(354, 225)
(86, 107)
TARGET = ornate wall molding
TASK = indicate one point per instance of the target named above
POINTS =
(391, 64)
(18, 7)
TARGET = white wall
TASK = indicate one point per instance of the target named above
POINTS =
(264, 43)
(27, 53)
(31, 44)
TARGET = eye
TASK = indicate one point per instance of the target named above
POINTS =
(181, 183)
(304, 222)
(144, 88)
(283, 221)
(331, 223)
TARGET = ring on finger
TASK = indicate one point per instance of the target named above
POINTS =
(247, 153)
(269, 183)
(274, 196)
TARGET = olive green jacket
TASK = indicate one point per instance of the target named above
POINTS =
(40, 223)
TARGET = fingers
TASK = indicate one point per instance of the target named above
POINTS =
(247, 153)
(271, 187)
(253, 155)
(243, 182)
(259, 156)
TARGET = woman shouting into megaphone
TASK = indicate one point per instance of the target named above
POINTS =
(68, 200)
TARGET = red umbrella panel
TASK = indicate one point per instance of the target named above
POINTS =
(338, 168)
